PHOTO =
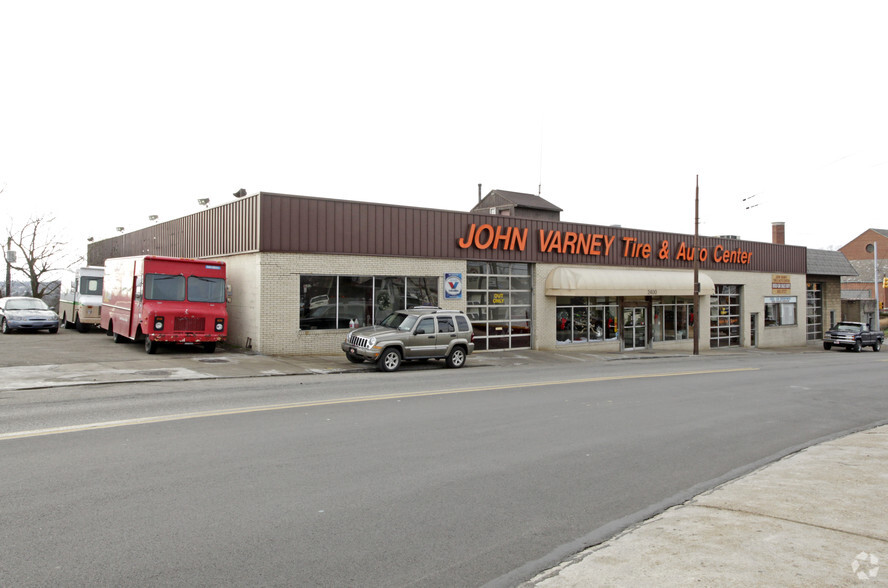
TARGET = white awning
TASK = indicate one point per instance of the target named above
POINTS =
(586, 281)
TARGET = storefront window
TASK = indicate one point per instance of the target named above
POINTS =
(585, 319)
(342, 302)
(389, 296)
(780, 311)
(671, 318)
(422, 292)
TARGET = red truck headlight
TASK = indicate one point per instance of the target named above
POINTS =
(220, 325)
(158, 323)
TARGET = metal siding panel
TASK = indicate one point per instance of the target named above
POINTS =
(379, 235)
(313, 220)
(335, 238)
(302, 224)
(282, 225)
(402, 250)
(270, 222)
(330, 232)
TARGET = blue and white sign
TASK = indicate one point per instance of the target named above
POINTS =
(453, 286)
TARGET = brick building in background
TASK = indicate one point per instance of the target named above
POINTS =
(859, 292)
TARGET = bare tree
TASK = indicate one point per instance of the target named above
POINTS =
(41, 254)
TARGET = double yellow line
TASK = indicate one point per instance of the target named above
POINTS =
(330, 402)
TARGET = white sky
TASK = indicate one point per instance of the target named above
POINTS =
(112, 111)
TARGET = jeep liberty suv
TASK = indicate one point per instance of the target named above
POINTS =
(418, 333)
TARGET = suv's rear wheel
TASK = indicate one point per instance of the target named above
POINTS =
(456, 358)
(389, 361)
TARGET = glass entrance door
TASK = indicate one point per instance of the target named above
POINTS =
(634, 328)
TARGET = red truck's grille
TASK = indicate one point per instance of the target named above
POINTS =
(189, 324)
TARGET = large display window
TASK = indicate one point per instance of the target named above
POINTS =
(584, 319)
(780, 311)
(673, 319)
(343, 302)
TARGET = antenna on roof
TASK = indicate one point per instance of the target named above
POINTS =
(540, 185)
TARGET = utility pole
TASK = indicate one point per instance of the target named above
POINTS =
(9, 258)
(697, 270)
(874, 249)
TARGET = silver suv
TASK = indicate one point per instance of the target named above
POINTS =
(419, 333)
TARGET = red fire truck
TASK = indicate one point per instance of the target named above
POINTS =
(165, 300)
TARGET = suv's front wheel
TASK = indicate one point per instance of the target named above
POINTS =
(456, 358)
(389, 361)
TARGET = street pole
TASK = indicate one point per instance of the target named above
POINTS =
(874, 247)
(8, 249)
(876, 282)
(696, 270)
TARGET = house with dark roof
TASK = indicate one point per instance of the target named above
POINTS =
(517, 204)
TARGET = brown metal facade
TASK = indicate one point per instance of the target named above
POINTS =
(298, 224)
(224, 230)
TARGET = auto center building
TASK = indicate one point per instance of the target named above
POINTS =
(302, 271)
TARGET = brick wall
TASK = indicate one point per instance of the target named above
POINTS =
(856, 249)
(832, 300)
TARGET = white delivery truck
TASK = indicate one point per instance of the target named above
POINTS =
(80, 303)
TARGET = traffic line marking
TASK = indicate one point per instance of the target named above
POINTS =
(334, 401)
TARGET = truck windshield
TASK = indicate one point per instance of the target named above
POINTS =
(202, 289)
(848, 327)
(164, 287)
(399, 320)
(90, 285)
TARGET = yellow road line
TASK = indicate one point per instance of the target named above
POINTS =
(330, 402)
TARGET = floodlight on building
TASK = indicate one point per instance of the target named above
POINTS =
(152, 217)
(119, 229)
(240, 193)
(204, 201)
(89, 239)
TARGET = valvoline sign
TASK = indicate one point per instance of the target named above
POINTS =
(453, 286)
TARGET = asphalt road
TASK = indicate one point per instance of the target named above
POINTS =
(418, 478)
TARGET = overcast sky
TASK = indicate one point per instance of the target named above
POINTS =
(113, 111)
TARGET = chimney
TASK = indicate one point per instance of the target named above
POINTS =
(778, 233)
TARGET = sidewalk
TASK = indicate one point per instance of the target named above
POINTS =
(235, 363)
(815, 518)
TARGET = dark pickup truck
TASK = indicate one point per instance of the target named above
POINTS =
(853, 336)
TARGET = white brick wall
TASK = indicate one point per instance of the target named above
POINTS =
(265, 302)
(280, 286)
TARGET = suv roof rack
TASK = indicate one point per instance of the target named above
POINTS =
(422, 307)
